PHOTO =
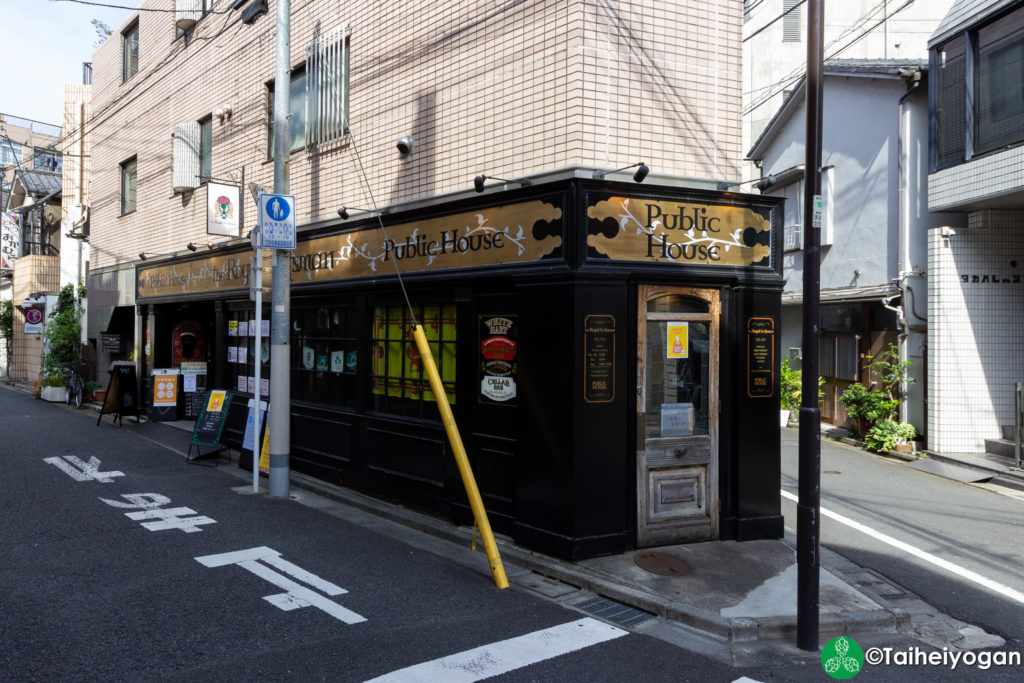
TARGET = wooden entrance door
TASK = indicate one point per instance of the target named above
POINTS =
(677, 415)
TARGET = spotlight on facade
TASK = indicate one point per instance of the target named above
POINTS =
(142, 256)
(191, 246)
(405, 145)
(344, 211)
(478, 182)
(641, 172)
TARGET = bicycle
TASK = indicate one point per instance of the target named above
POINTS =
(74, 385)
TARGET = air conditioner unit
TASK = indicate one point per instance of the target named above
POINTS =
(254, 11)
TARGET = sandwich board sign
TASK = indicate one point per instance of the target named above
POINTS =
(277, 221)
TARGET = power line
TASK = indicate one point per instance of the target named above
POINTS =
(138, 9)
(790, 10)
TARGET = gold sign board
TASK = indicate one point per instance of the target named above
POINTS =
(635, 229)
(494, 235)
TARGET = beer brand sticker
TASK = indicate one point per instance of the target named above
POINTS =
(499, 389)
(678, 342)
(498, 348)
(498, 368)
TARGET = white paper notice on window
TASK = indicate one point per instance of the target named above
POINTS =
(243, 328)
(232, 354)
(265, 324)
(242, 384)
(243, 354)
(676, 419)
(190, 384)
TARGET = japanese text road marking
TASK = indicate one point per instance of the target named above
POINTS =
(507, 655)
(151, 506)
(78, 470)
(295, 595)
(956, 569)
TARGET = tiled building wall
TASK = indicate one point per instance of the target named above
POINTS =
(505, 89)
(987, 176)
(975, 330)
(32, 275)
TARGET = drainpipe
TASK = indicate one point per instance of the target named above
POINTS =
(904, 266)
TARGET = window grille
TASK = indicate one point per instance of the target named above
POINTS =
(327, 60)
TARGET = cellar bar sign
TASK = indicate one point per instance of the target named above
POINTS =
(599, 359)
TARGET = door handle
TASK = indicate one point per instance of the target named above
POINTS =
(680, 451)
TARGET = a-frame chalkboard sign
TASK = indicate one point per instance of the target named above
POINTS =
(209, 426)
(122, 392)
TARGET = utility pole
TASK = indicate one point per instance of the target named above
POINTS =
(280, 323)
(808, 509)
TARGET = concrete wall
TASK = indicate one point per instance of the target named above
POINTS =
(504, 89)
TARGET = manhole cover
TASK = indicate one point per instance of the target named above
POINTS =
(661, 564)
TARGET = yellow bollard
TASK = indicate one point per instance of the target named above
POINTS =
(472, 492)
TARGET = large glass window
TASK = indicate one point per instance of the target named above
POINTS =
(324, 358)
(398, 382)
(46, 160)
(130, 52)
(129, 178)
(1000, 83)
(950, 103)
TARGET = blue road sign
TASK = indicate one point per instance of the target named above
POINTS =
(277, 221)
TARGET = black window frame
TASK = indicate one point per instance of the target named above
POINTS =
(129, 37)
(296, 116)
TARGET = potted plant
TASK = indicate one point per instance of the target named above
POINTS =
(52, 389)
(91, 387)
(789, 391)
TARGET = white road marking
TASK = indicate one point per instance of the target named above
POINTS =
(86, 471)
(952, 568)
(150, 504)
(495, 659)
(295, 595)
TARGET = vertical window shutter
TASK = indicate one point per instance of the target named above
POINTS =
(327, 87)
(186, 156)
(790, 21)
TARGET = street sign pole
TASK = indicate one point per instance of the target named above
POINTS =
(280, 325)
(256, 278)
(808, 508)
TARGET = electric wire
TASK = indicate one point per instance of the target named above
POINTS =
(380, 221)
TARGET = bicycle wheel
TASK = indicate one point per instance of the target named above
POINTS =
(79, 390)
(68, 391)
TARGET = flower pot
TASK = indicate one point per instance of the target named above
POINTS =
(53, 394)
(783, 418)
(99, 395)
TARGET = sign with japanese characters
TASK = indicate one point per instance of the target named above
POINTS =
(10, 239)
(277, 221)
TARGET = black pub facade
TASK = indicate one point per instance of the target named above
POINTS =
(608, 350)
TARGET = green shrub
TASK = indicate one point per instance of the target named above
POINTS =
(63, 332)
(53, 380)
(868, 407)
(885, 436)
(93, 385)
(789, 386)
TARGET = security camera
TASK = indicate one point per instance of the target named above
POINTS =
(405, 145)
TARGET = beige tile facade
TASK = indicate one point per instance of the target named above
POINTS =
(502, 88)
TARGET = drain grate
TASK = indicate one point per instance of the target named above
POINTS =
(615, 612)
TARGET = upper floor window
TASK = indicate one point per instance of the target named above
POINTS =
(791, 21)
(129, 179)
(46, 160)
(1000, 83)
(10, 152)
(130, 52)
(950, 95)
(205, 148)
(318, 96)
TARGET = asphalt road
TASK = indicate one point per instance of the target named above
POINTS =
(121, 568)
(974, 528)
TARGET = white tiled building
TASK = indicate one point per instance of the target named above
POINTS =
(975, 289)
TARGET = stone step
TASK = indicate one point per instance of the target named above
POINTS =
(1009, 432)
(1004, 447)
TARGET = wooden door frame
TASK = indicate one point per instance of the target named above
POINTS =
(712, 297)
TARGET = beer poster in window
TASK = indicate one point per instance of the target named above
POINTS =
(499, 370)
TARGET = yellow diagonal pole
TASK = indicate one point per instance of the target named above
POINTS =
(472, 492)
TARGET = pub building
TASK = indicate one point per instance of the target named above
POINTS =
(608, 349)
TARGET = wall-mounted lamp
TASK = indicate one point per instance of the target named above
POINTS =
(946, 232)
(478, 182)
(223, 113)
(724, 185)
(641, 172)
(343, 211)
(191, 246)
(405, 145)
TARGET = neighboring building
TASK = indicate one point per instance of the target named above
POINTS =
(875, 225)
(976, 294)
(30, 168)
(775, 46)
(608, 347)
